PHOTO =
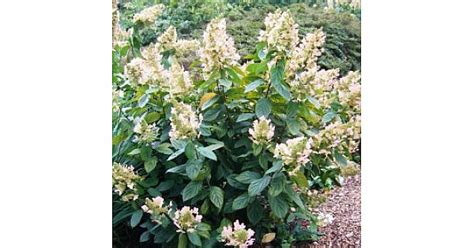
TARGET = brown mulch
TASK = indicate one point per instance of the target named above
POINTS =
(344, 204)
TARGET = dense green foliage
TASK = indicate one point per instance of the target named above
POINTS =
(229, 138)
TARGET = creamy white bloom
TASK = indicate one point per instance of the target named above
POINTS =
(325, 219)
(184, 122)
(145, 133)
(168, 38)
(338, 136)
(294, 153)
(178, 81)
(149, 15)
(237, 236)
(262, 131)
(124, 181)
(117, 95)
(146, 70)
(217, 49)
(349, 91)
(186, 219)
(281, 31)
(306, 54)
(156, 208)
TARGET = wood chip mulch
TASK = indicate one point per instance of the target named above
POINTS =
(344, 204)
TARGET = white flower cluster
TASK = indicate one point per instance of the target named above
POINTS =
(149, 15)
(262, 131)
(168, 40)
(325, 219)
(218, 48)
(281, 31)
(146, 70)
(178, 81)
(237, 236)
(119, 36)
(116, 96)
(349, 91)
(294, 153)
(124, 181)
(306, 54)
(156, 208)
(145, 133)
(184, 122)
(186, 219)
(338, 136)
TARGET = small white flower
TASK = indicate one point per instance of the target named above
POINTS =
(325, 219)
(184, 122)
(149, 15)
(186, 219)
(262, 131)
(294, 153)
(237, 236)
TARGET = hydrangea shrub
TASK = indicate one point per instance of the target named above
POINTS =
(224, 153)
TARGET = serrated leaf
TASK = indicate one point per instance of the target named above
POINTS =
(194, 238)
(241, 202)
(190, 151)
(277, 185)
(183, 241)
(207, 153)
(277, 165)
(263, 107)
(216, 196)
(253, 85)
(135, 152)
(175, 154)
(205, 98)
(136, 217)
(244, 117)
(278, 205)
(164, 148)
(209, 102)
(150, 164)
(258, 186)
(191, 190)
(247, 177)
(192, 169)
(254, 212)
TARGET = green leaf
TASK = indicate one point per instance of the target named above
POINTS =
(263, 107)
(136, 217)
(300, 179)
(165, 185)
(190, 151)
(257, 68)
(247, 177)
(240, 202)
(175, 154)
(183, 241)
(192, 169)
(191, 190)
(209, 103)
(152, 117)
(277, 165)
(177, 169)
(254, 212)
(277, 185)
(207, 153)
(294, 196)
(143, 100)
(215, 146)
(145, 236)
(217, 196)
(278, 205)
(328, 117)
(194, 238)
(244, 117)
(150, 164)
(253, 85)
(277, 75)
(135, 152)
(293, 126)
(164, 148)
(258, 186)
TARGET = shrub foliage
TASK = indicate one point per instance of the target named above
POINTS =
(220, 152)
